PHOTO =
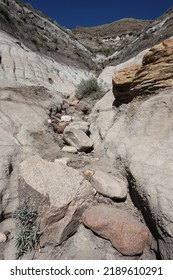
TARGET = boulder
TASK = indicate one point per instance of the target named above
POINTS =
(3, 237)
(69, 149)
(58, 192)
(84, 107)
(89, 173)
(127, 235)
(78, 139)
(85, 245)
(109, 185)
(60, 127)
(66, 118)
(81, 125)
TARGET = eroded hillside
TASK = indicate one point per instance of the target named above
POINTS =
(41, 34)
(85, 176)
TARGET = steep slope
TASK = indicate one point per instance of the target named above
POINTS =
(152, 34)
(115, 43)
(41, 34)
(21, 66)
(106, 39)
(42, 124)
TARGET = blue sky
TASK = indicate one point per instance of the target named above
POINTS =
(96, 12)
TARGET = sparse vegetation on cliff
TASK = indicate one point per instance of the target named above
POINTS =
(89, 88)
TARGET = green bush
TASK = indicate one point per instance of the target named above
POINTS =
(89, 88)
(28, 233)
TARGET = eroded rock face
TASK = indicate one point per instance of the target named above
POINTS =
(59, 192)
(126, 234)
(122, 80)
(154, 74)
(156, 71)
(23, 114)
(33, 69)
(137, 138)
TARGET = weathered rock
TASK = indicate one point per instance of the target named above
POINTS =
(156, 71)
(84, 107)
(64, 160)
(81, 125)
(122, 80)
(73, 102)
(69, 149)
(58, 225)
(89, 173)
(137, 138)
(23, 115)
(33, 69)
(60, 127)
(109, 185)
(85, 245)
(154, 74)
(3, 237)
(66, 118)
(126, 234)
(78, 139)
(59, 192)
(49, 121)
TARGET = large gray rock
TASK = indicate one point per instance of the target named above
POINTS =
(77, 138)
(57, 191)
(81, 125)
(109, 185)
(126, 233)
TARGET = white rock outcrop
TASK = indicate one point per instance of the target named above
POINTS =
(21, 66)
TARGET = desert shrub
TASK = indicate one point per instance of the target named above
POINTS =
(89, 88)
(27, 236)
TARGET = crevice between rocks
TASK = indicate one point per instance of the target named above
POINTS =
(144, 208)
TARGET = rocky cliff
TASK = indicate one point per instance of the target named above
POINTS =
(104, 40)
(42, 34)
(133, 129)
(83, 185)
